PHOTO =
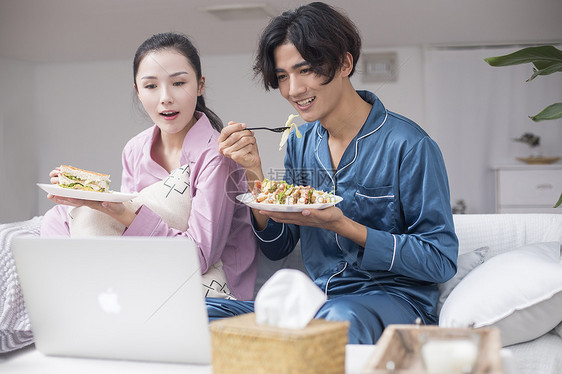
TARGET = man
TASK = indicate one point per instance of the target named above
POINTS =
(379, 254)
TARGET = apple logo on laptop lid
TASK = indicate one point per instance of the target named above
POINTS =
(109, 301)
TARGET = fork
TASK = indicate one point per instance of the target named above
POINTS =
(274, 129)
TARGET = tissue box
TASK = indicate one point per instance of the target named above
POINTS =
(240, 345)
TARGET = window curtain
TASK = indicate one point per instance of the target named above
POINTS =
(474, 111)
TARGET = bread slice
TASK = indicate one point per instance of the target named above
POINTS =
(79, 179)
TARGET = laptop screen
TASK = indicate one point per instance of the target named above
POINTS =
(136, 298)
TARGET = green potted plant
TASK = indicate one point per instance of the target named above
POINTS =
(532, 140)
(547, 60)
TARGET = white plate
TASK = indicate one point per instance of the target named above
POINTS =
(248, 199)
(115, 197)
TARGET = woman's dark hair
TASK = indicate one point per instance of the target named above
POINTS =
(321, 34)
(181, 44)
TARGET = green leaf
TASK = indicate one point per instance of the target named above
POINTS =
(546, 70)
(543, 56)
(559, 201)
(553, 111)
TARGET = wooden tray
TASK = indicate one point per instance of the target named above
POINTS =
(400, 347)
(539, 160)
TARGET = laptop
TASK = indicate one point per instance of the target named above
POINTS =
(130, 298)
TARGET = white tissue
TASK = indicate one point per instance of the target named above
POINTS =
(288, 299)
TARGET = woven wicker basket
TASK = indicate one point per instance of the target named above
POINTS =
(240, 345)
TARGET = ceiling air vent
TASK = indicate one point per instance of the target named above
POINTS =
(238, 12)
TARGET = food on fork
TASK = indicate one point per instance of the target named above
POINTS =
(289, 125)
(272, 192)
(78, 179)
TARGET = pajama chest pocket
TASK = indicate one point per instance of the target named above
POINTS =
(376, 205)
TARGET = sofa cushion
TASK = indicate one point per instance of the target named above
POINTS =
(15, 328)
(504, 232)
(541, 355)
(465, 264)
(519, 291)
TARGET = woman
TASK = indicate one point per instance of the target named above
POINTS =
(169, 83)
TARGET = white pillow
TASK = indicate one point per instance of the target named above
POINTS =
(519, 291)
(465, 264)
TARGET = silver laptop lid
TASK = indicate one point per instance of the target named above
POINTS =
(115, 297)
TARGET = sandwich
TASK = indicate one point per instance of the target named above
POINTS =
(78, 179)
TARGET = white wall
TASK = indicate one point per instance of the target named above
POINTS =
(83, 113)
(18, 162)
(235, 95)
(86, 114)
(406, 95)
(477, 110)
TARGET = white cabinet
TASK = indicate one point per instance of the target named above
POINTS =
(528, 188)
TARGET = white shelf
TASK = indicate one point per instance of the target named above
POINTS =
(528, 188)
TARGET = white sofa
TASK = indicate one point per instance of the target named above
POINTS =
(532, 326)
(519, 291)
